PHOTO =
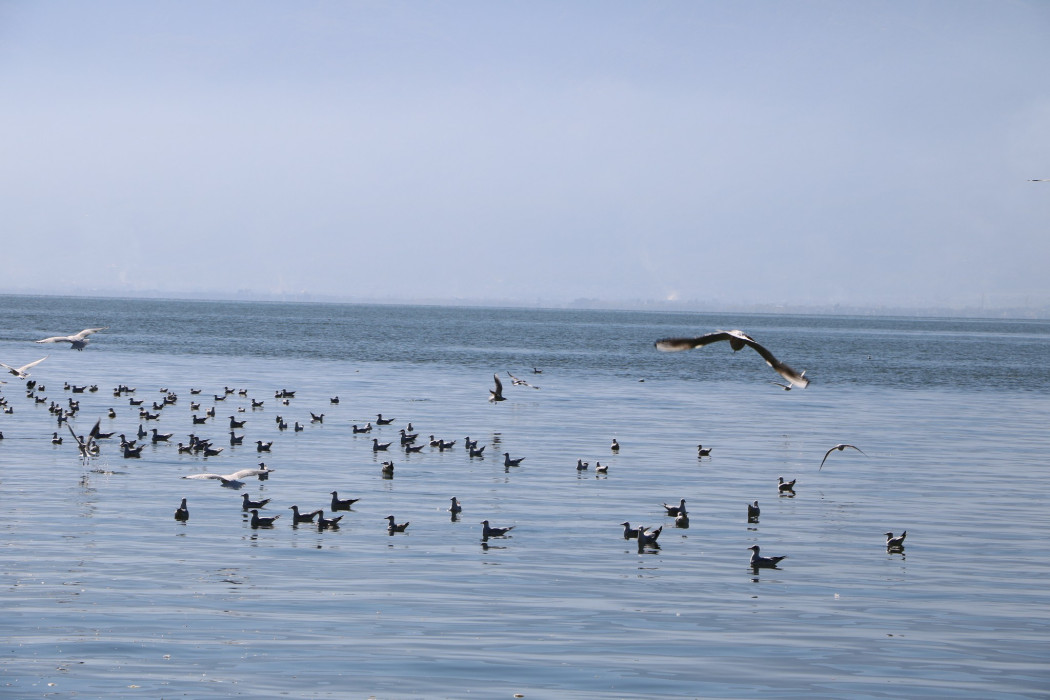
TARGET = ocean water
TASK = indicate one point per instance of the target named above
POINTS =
(104, 594)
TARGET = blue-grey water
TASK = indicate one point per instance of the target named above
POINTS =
(104, 594)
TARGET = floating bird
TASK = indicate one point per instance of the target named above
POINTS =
(366, 429)
(182, 513)
(388, 470)
(600, 468)
(581, 465)
(682, 520)
(379, 446)
(630, 533)
(21, 372)
(647, 537)
(247, 503)
(615, 447)
(753, 511)
(786, 486)
(56, 439)
(673, 511)
(394, 526)
(298, 517)
(487, 531)
(334, 400)
(508, 462)
(760, 562)
(234, 423)
(895, 542)
(703, 452)
(131, 452)
(455, 508)
(342, 504)
(315, 418)
(261, 446)
(258, 521)
(383, 421)
(840, 448)
(495, 394)
(324, 523)
(236, 439)
(77, 341)
(159, 436)
(737, 340)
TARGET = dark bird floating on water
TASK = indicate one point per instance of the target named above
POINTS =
(840, 448)
(760, 562)
(77, 341)
(786, 486)
(737, 340)
(753, 511)
(342, 503)
(488, 531)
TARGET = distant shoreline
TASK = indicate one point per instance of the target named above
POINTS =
(1033, 312)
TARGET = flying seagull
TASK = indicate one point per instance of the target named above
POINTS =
(497, 393)
(840, 448)
(737, 340)
(233, 480)
(77, 341)
(21, 372)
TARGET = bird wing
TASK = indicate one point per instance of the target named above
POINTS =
(95, 430)
(86, 332)
(23, 368)
(204, 476)
(679, 344)
(56, 339)
(826, 458)
(499, 384)
(779, 367)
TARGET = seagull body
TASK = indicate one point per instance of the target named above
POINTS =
(77, 341)
(508, 462)
(520, 382)
(488, 531)
(701, 451)
(673, 511)
(234, 479)
(259, 521)
(394, 526)
(786, 486)
(581, 465)
(630, 533)
(455, 508)
(496, 394)
(760, 562)
(753, 511)
(342, 504)
(737, 340)
(840, 448)
(895, 542)
(247, 503)
(647, 537)
(298, 517)
(182, 513)
(324, 523)
(21, 372)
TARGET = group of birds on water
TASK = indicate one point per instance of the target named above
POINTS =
(646, 537)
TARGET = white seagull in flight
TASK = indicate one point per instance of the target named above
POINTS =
(77, 341)
(737, 340)
(21, 372)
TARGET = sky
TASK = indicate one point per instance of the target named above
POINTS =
(786, 153)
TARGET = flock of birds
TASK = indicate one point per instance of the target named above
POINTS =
(89, 445)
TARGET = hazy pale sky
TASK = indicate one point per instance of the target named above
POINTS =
(811, 152)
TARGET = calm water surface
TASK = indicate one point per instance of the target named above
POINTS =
(106, 595)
